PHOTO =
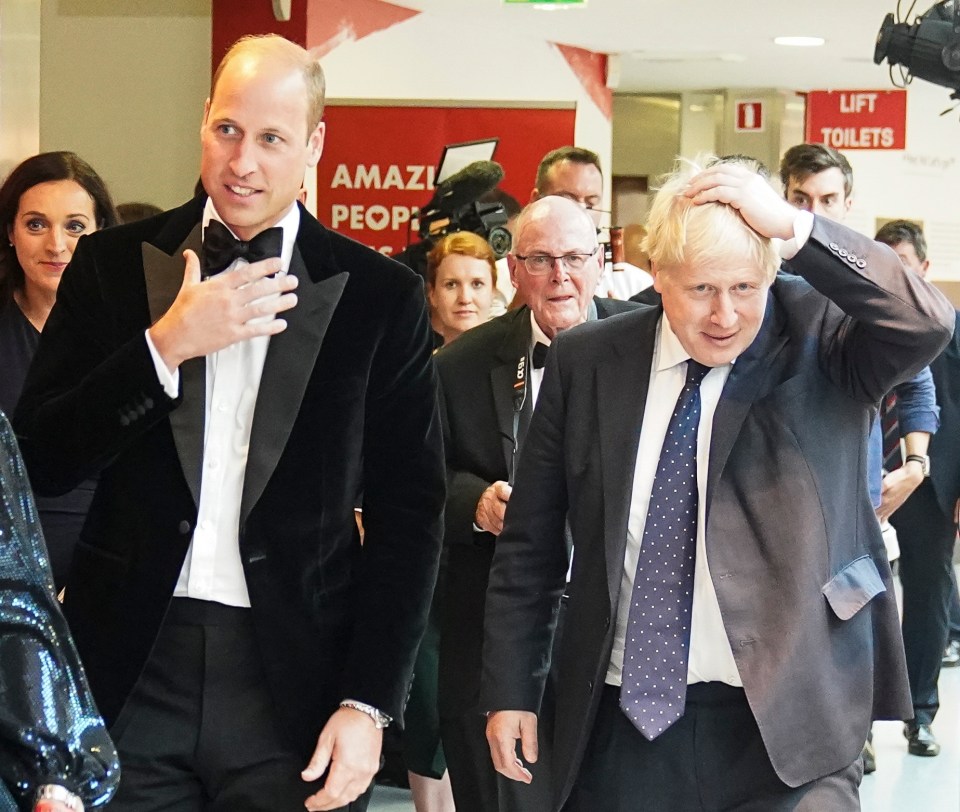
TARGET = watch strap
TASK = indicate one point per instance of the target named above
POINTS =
(380, 719)
(923, 459)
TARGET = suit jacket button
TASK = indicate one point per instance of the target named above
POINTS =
(842, 252)
(184, 527)
(590, 685)
(861, 263)
(834, 247)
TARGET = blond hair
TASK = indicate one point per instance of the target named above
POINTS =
(680, 231)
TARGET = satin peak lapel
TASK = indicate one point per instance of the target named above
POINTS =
(290, 360)
(163, 274)
(622, 383)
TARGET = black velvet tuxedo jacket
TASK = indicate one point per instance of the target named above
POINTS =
(347, 405)
(793, 545)
(477, 373)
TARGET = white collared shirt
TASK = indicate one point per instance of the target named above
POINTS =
(212, 569)
(536, 375)
(710, 658)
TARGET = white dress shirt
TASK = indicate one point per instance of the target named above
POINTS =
(710, 656)
(536, 375)
(213, 570)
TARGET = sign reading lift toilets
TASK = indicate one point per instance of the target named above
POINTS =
(857, 119)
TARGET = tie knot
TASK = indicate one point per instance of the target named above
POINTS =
(221, 249)
(696, 372)
(539, 355)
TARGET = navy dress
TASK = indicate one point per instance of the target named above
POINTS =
(61, 517)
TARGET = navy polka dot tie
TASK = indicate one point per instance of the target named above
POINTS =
(655, 652)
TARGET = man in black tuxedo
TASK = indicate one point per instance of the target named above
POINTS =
(926, 524)
(490, 378)
(234, 630)
(732, 627)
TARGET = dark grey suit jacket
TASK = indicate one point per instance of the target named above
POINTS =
(793, 545)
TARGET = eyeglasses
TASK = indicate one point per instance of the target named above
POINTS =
(539, 264)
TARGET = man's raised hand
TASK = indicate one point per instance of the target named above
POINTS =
(232, 306)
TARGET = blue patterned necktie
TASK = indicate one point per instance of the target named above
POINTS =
(657, 642)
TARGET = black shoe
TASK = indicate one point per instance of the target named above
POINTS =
(951, 655)
(869, 756)
(920, 740)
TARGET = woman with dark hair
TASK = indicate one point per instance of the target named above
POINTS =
(55, 754)
(46, 204)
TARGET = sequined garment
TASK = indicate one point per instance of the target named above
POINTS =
(50, 731)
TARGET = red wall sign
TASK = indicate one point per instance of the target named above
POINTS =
(378, 163)
(749, 117)
(857, 119)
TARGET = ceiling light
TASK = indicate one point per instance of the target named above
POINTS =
(800, 42)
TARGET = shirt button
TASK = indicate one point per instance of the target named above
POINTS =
(213, 464)
(222, 406)
(206, 524)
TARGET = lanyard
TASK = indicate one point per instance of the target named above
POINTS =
(519, 397)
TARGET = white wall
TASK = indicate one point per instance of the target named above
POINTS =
(920, 183)
(122, 84)
(422, 59)
(19, 82)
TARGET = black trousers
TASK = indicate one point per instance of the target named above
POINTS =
(711, 760)
(926, 538)
(199, 732)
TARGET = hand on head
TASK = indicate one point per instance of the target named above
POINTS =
(735, 185)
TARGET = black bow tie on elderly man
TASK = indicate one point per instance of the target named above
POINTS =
(221, 249)
(539, 355)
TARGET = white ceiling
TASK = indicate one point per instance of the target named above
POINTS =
(668, 45)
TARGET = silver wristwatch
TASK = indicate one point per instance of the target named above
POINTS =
(380, 719)
(56, 792)
(924, 461)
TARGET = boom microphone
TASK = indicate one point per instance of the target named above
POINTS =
(466, 186)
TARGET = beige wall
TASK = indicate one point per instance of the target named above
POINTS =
(122, 83)
(646, 134)
(19, 81)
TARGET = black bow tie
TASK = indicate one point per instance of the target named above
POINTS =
(221, 248)
(539, 355)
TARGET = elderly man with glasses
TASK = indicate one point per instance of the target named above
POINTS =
(490, 379)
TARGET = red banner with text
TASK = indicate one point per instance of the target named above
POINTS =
(379, 163)
(857, 119)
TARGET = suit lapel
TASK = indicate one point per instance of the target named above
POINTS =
(516, 343)
(291, 358)
(745, 383)
(622, 383)
(163, 275)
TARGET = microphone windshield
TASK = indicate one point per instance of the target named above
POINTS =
(467, 185)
